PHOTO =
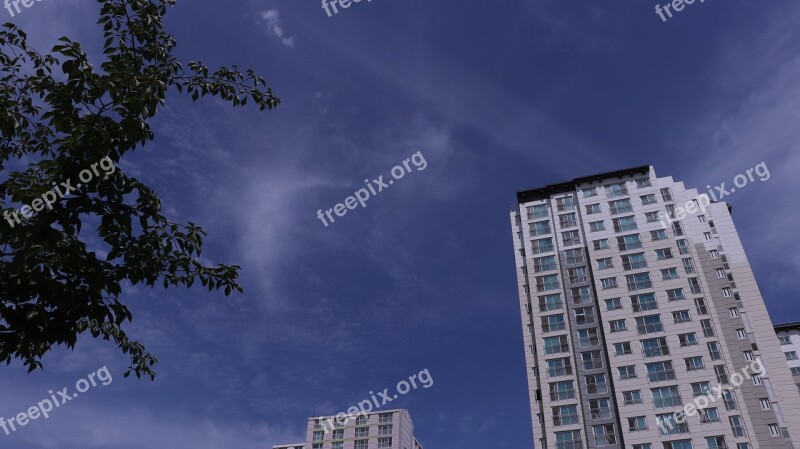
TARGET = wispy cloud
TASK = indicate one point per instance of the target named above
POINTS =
(272, 20)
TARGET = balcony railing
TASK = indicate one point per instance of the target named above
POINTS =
(562, 395)
(592, 364)
(553, 327)
(565, 420)
(600, 413)
(557, 372)
(597, 388)
(656, 351)
(594, 341)
(639, 285)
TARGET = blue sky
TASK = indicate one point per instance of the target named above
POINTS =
(498, 97)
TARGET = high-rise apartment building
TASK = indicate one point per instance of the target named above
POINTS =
(390, 429)
(644, 327)
(789, 339)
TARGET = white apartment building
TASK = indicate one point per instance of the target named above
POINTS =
(389, 429)
(628, 316)
(789, 339)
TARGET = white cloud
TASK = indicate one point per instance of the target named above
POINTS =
(272, 20)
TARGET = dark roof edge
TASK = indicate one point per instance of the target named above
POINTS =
(787, 326)
(563, 187)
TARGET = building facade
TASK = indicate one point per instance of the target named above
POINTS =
(637, 301)
(390, 429)
(789, 339)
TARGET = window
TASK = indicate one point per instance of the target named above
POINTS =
(632, 397)
(655, 347)
(643, 446)
(589, 192)
(791, 355)
(721, 373)
(689, 339)
(729, 400)
(627, 372)
(694, 363)
(565, 415)
(681, 316)
(624, 224)
(592, 360)
(660, 234)
(384, 418)
(708, 415)
(552, 323)
(542, 246)
(669, 425)
(584, 315)
(596, 384)
(665, 194)
(702, 218)
(385, 430)
(708, 330)
(774, 431)
(707, 236)
(694, 286)
(592, 209)
(652, 217)
(550, 302)
(538, 211)
(785, 340)
(545, 283)
(701, 388)
(648, 199)
(362, 432)
(683, 248)
(669, 274)
(737, 426)
(680, 444)
(629, 242)
(571, 238)
(573, 256)
(600, 408)
(637, 423)
(318, 436)
(384, 442)
(338, 434)
(555, 345)
(726, 292)
(643, 303)
(663, 254)
(765, 404)
(604, 435)
(714, 254)
(688, 265)
(638, 281)
(596, 226)
(569, 440)
(664, 397)
(660, 371)
(714, 351)
(742, 445)
(361, 420)
(675, 294)
(615, 190)
(559, 367)
(700, 306)
(337, 445)
(360, 444)
(734, 312)
(748, 356)
(720, 273)
(757, 380)
(547, 263)
(620, 206)
(600, 244)
(649, 324)
(588, 337)
(613, 303)
(623, 348)
(540, 228)
(568, 220)
(577, 275)
(617, 325)
(561, 391)
(635, 261)
(581, 295)
(608, 283)
(795, 371)
(643, 182)
(565, 203)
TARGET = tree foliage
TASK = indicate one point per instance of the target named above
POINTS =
(58, 116)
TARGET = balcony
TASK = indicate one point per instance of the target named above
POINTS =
(562, 395)
(656, 351)
(558, 372)
(553, 327)
(597, 388)
(565, 420)
(600, 413)
(592, 364)
(585, 342)
(639, 285)
(650, 328)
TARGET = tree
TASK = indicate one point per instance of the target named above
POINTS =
(60, 115)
